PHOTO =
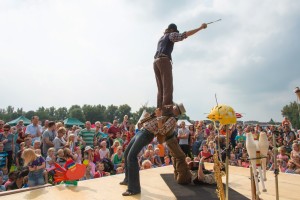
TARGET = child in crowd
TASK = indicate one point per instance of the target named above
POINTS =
(156, 158)
(68, 154)
(3, 156)
(50, 159)
(166, 161)
(60, 158)
(119, 170)
(78, 155)
(2, 187)
(240, 138)
(205, 153)
(233, 161)
(4, 173)
(36, 165)
(281, 165)
(19, 159)
(282, 155)
(114, 147)
(89, 155)
(71, 142)
(295, 152)
(28, 142)
(211, 147)
(291, 167)
(146, 164)
(96, 155)
(88, 175)
(119, 139)
(243, 159)
(12, 176)
(118, 158)
(100, 170)
(103, 152)
(145, 156)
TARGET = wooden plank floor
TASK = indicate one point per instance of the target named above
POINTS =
(154, 188)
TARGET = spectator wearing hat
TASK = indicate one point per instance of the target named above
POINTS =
(89, 155)
(163, 65)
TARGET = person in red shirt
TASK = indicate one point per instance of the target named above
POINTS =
(205, 152)
(114, 129)
(129, 135)
(1, 126)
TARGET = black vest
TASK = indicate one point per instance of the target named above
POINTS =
(164, 47)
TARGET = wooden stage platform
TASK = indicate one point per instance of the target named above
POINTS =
(155, 188)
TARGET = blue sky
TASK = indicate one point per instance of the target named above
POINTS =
(65, 52)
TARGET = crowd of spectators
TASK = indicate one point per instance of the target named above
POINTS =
(28, 153)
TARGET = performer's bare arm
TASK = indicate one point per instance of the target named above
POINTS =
(200, 169)
(192, 32)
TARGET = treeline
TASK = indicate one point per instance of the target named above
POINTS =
(84, 113)
(292, 111)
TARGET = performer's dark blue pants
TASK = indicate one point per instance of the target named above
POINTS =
(132, 176)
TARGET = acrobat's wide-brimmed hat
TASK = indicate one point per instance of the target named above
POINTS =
(181, 108)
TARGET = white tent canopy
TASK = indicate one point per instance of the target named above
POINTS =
(187, 123)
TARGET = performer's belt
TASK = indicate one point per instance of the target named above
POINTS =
(146, 131)
(162, 56)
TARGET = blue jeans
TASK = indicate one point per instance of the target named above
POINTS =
(132, 176)
(36, 178)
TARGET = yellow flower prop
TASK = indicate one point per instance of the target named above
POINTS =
(222, 113)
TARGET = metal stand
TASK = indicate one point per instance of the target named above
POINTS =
(253, 187)
(276, 170)
(227, 163)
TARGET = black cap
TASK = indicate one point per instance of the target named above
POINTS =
(174, 27)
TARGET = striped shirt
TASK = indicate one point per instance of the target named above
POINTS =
(87, 136)
(152, 126)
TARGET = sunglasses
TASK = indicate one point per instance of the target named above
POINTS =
(6, 129)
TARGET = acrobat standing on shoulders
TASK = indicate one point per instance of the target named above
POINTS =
(163, 65)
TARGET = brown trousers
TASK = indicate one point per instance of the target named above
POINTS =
(164, 79)
(182, 173)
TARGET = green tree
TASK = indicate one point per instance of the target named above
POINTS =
(77, 113)
(123, 110)
(111, 113)
(20, 111)
(90, 113)
(42, 113)
(51, 113)
(100, 112)
(61, 113)
(30, 114)
(292, 113)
